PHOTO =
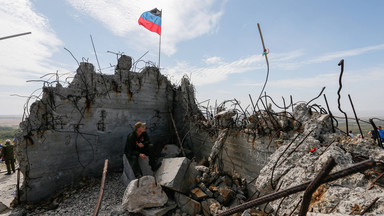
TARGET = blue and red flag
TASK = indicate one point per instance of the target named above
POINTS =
(151, 20)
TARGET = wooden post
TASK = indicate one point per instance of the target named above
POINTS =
(96, 212)
(177, 134)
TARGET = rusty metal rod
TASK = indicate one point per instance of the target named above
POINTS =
(373, 182)
(312, 187)
(96, 212)
(341, 64)
(294, 209)
(370, 205)
(379, 141)
(16, 35)
(357, 120)
(274, 166)
(301, 142)
(330, 113)
(270, 197)
(266, 59)
(18, 186)
(177, 133)
(325, 149)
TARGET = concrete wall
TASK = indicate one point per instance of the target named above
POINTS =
(239, 154)
(71, 131)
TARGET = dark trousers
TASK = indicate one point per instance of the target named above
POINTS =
(10, 163)
(133, 161)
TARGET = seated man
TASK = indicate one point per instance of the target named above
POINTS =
(139, 146)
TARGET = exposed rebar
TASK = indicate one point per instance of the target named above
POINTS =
(270, 197)
(312, 187)
(357, 120)
(341, 64)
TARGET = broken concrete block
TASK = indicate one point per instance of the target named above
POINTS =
(189, 181)
(186, 204)
(201, 168)
(145, 167)
(159, 211)
(206, 206)
(171, 173)
(170, 151)
(143, 193)
(227, 193)
(124, 62)
(198, 194)
(205, 189)
(128, 174)
(3, 207)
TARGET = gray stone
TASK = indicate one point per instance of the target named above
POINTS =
(188, 205)
(3, 207)
(128, 174)
(159, 211)
(171, 173)
(198, 194)
(143, 193)
(170, 151)
(124, 63)
(145, 167)
(201, 168)
(206, 206)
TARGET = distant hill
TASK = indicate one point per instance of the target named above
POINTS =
(10, 120)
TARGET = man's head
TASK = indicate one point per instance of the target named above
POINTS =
(7, 141)
(379, 127)
(139, 127)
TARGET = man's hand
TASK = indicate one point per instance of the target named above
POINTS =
(140, 145)
(141, 155)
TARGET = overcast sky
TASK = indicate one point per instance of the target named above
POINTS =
(214, 42)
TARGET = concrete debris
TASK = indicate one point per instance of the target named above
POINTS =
(186, 204)
(299, 164)
(198, 194)
(241, 155)
(170, 151)
(171, 173)
(207, 209)
(3, 207)
(128, 174)
(159, 211)
(143, 193)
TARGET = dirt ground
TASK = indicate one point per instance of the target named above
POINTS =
(7, 187)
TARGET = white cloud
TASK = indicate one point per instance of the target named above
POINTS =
(213, 60)
(345, 53)
(181, 20)
(28, 55)
(216, 73)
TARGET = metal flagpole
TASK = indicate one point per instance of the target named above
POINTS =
(161, 16)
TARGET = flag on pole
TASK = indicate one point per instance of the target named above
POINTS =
(151, 20)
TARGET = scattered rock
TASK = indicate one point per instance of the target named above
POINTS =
(143, 193)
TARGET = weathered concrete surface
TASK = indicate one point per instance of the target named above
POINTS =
(159, 211)
(172, 173)
(143, 193)
(71, 130)
(188, 205)
(298, 164)
(128, 174)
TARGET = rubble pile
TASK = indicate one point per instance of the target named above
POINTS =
(301, 161)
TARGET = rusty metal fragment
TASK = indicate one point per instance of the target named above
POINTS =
(270, 197)
(315, 184)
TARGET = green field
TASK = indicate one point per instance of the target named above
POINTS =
(353, 126)
(7, 133)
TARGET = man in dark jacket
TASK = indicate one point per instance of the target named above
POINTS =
(9, 158)
(139, 146)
